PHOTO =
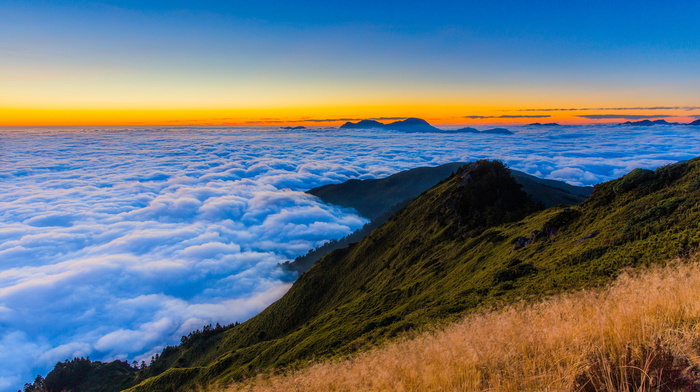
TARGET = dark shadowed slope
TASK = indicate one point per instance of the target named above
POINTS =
(373, 197)
(378, 199)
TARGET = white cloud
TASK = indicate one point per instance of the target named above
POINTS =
(113, 244)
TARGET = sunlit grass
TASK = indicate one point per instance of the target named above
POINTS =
(640, 333)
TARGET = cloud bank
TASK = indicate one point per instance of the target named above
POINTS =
(114, 243)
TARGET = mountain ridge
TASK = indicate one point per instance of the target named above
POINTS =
(378, 199)
(373, 197)
(474, 240)
(418, 125)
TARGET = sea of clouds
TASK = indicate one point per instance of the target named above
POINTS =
(116, 242)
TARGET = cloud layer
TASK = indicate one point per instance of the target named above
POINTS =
(114, 243)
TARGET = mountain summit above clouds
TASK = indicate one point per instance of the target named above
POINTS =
(417, 125)
(410, 125)
(473, 241)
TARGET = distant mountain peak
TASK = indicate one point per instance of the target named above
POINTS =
(417, 125)
(498, 131)
(411, 124)
(648, 123)
(362, 124)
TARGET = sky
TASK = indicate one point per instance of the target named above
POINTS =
(279, 62)
(116, 242)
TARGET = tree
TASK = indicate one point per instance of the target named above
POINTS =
(37, 386)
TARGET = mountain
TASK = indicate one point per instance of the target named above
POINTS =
(373, 197)
(498, 131)
(411, 125)
(465, 130)
(648, 123)
(415, 125)
(543, 125)
(551, 193)
(363, 124)
(379, 199)
(298, 127)
(474, 241)
(696, 122)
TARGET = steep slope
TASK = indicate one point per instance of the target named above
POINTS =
(464, 244)
(636, 334)
(379, 199)
(551, 192)
(373, 197)
(472, 241)
(352, 297)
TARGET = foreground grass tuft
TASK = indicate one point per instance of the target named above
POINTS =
(642, 333)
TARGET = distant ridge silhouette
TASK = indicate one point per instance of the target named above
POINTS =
(552, 124)
(649, 123)
(417, 125)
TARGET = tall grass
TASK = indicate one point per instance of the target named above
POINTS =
(642, 333)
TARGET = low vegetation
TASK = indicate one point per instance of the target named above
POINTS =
(640, 334)
(474, 241)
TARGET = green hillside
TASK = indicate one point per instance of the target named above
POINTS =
(374, 197)
(471, 241)
(379, 199)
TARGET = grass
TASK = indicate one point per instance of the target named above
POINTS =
(641, 333)
(455, 250)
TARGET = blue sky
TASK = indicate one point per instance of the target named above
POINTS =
(268, 55)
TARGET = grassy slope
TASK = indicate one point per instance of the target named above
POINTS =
(433, 261)
(638, 334)
(374, 197)
(379, 199)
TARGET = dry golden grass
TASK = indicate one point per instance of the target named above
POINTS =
(639, 333)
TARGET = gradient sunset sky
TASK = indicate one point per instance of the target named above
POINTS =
(283, 62)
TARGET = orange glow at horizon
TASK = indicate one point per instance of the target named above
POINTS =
(323, 116)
